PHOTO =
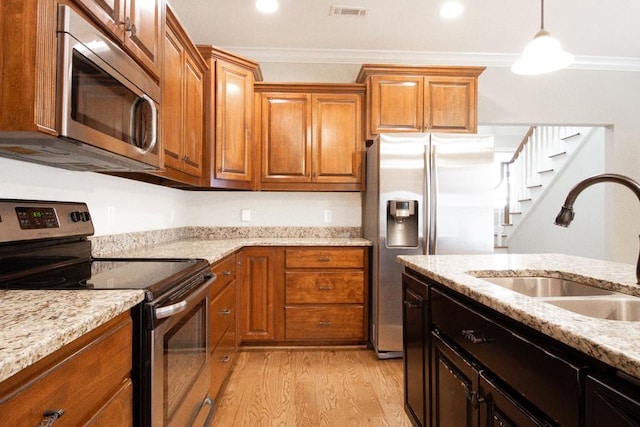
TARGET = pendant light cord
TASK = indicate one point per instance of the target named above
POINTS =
(541, 15)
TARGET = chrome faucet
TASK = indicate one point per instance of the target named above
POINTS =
(566, 214)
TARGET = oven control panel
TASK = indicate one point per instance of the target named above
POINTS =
(23, 220)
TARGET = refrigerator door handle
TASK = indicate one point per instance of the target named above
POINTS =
(433, 199)
(426, 197)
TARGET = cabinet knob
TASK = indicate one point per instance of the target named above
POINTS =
(224, 359)
(225, 312)
(226, 273)
(476, 337)
(324, 323)
(50, 416)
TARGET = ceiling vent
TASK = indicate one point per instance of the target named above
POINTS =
(347, 11)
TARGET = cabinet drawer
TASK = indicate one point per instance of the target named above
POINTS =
(222, 313)
(79, 379)
(324, 287)
(222, 360)
(325, 258)
(546, 379)
(225, 272)
(324, 323)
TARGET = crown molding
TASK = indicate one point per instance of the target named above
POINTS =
(352, 56)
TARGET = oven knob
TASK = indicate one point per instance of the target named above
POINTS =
(76, 216)
(85, 216)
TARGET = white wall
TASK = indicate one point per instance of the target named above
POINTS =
(578, 97)
(586, 236)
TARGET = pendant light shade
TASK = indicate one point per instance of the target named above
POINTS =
(543, 54)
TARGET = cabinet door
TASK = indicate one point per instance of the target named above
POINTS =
(337, 138)
(257, 308)
(172, 110)
(454, 382)
(286, 137)
(110, 13)
(611, 402)
(397, 104)
(143, 38)
(450, 104)
(499, 409)
(193, 114)
(234, 117)
(416, 350)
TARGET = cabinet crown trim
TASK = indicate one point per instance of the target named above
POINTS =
(437, 70)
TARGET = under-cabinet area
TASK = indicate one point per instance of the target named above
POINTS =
(469, 364)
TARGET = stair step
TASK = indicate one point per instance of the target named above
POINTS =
(562, 153)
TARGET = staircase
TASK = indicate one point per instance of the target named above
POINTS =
(535, 165)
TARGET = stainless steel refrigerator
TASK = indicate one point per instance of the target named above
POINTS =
(426, 194)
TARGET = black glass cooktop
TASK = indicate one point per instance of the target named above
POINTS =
(154, 275)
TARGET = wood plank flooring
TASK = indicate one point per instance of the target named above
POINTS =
(310, 387)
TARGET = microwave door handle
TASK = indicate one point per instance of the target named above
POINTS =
(154, 122)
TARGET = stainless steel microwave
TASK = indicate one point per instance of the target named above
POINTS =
(106, 106)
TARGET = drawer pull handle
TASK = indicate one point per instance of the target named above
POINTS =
(226, 273)
(324, 259)
(225, 312)
(412, 304)
(324, 323)
(225, 359)
(50, 417)
(476, 337)
(324, 288)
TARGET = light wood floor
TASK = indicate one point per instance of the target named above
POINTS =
(300, 387)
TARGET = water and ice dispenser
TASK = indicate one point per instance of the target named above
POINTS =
(402, 223)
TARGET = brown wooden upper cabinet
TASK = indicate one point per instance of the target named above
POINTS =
(182, 106)
(420, 99)
(138, 24)
(311, 136)
(231, 144)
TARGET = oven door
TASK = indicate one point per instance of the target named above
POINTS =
(180, 374)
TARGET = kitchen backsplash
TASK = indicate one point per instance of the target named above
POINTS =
(105, 245)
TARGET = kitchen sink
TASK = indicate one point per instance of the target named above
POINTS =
(540, 286)
(621, 307)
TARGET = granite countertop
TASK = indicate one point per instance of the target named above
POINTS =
(215, 250)
(614, 342)
(37, 323)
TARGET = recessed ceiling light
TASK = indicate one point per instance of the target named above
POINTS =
(451, 9)
(267, 6)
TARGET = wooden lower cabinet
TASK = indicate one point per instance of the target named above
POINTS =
(222, 322)
(89, 379)
(304, 295)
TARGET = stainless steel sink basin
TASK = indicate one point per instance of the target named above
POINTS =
(610, 308)
(538, 286)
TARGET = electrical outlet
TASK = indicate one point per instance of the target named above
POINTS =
(245, 215)
(327, 215)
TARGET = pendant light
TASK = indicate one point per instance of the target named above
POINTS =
(543, 54)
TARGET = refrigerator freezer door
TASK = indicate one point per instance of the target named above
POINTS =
(397, 171)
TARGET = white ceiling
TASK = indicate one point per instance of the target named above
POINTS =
(602, 34)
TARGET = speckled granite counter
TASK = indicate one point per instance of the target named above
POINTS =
(616, 343)
(37, 323)
(215, 250)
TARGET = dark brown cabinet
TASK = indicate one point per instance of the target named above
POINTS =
(416, 346)
(612, 401)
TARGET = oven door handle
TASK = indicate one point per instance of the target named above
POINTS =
(170, 310)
